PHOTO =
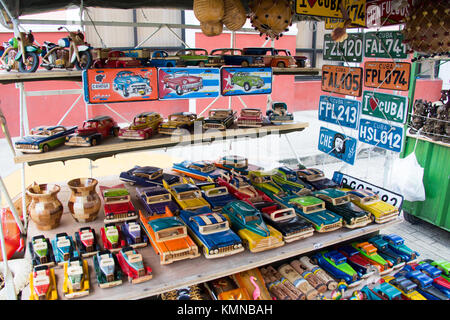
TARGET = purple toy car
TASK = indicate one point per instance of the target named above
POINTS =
(156, 199)
(133, 234)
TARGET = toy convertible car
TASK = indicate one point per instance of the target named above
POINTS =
(200, 170)
(147, 176)
(86, 240)
(133, 235)
(76, 278)
(367, 200)
(156, 199)
(43, 283)
(63, 248)
(42, 139)
(278, 113)
(219, 119)
(107, 269)
(187, 195)
(112, 237)
(133, 265)
(41, 251)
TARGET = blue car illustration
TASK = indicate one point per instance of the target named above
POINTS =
(130, 83)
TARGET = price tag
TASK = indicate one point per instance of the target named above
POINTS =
(385, 44)
(342, 80)
(340, 111)
(387, 75)
(381, 135)
(349, 50)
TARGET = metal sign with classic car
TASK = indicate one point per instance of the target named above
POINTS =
(188, 83)
(384, 44)
(245, 81)
(340, 111)
(330, 9)
(387, 75)
(337, 145)
(120, 85)
(342, 80)
(385, 106)
(381, 134)
(386, 12)
(349, 50)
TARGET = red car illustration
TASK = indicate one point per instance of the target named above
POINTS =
(182, 82)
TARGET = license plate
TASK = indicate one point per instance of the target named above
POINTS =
(384, 44)
(381, 135)
(385, 106)
(382, 13)
(385, 195)
(349, 50)
(330, 8)
(387, 75)
(337, 145)
(342, 80)
(339, 111)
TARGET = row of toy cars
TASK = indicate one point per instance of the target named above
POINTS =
(145, 125)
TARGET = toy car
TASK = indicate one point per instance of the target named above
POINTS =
(117, 204)
(263, 181)
(156, 199)
(405, 286)
(424, 283)
(367, 200)
(44, 138)
(397, 259)
(233, 57)
(133, 235)
(397, 244)
(199, 170)
(280, 58)
(144, 125)
(133, 265)
(220, 119)
(182, 82)
(187, 195)
(250, 117)
(86, 240)
(178, 121)
(217, 197)
(192, 57)
(211, 232)
(287, 179)
(383, 291)
(147, 176)
(236, 163)
(107, 269)
(41, 251)
(315, 178)
(357, 261)
(76, 278)
(278, 113)
(246, 80)
(43, 283)
(339, 202)
(436, 274)
(116, 59)
(112, 237)
(129, 83)
(247, 221)
(63, 248)
(93, 132)
(444, 266)
(161, 58)
(168, 237)
(313, 210)
(368, 251)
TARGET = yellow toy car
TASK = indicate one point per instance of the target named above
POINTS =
(76, 278)
(178, 121)
(187, 195)
(406, 287)
(43, 283)
(144, 125)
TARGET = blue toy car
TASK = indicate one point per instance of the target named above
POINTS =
(335, 263)
(44, 138)
(156, 199)
(200, 170)
(217, 197)
(161, 58)
(398, 259)
(397, 244)
(63, 248)
(424, 283)
(129, 83)
(387, 291)
(147, 176)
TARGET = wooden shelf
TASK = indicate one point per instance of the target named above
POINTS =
(113, 146)
(296, 71)
(186, 272)
(424, 138)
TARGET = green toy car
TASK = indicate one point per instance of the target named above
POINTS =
(245, 80)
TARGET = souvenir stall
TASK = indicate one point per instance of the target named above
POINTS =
(225, 228)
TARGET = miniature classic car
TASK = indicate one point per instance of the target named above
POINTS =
(116, 59)
(169, 237)
(287, 179)
(63, 247)
(147, 176)
(397, 259)
(161, 58)
(315, 178)
(182, 82)
(156, 199)
(199, 170)
(129, 83)
(217, 197)
(291, 226)
(397, 244)
(178, 121)
(367, 200)
(192, 57)
(41, 251)
(263, 181)
(117, 204)
(236, 163)
(43, 283)
(278, 113)
(273, 57)
(42, 139)
(247, 221)
(358, 262)
(383, 291)
(436, 274)
(107, 269)
(250, 117)
(133, 265)
(233, 57)
(133, 235)
(368, 251)
(211, 232)
(76, 278)
(144, 125)
(339, 202)
(444, 266)
(313, 210)
(246, 80)
(424, 283)
(187, 195)
(112, 237)
(336, 264)
(93, 132)
(220, 119)
(86, 240)
(405, 286)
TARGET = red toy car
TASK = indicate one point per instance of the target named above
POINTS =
(118, 206)
(182, 82)
(112, 237)
(250, 117)
(93, 132)
(133, 266)
(117, 59)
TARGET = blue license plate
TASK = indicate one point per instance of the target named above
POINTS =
(381, 134)
(337, 145)
(340, 111)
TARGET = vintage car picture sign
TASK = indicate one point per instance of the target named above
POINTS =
(385, 106)
(337, 145)
(387, 75)
(245, 81)
(120, 85)
(342, 80)
(384, 13)
(381, 134)
(340, 111)
(349, 50)
(330, 9)
(188, 83)
(385, 44)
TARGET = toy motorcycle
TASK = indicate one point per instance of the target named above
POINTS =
(12, 57)
(69, 52)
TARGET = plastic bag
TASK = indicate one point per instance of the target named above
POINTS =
(407, 178)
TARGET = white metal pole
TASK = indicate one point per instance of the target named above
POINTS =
(24, 206)
(11, 206)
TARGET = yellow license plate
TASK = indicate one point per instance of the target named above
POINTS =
(330, 9)
(387, 75)
(342, 80)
